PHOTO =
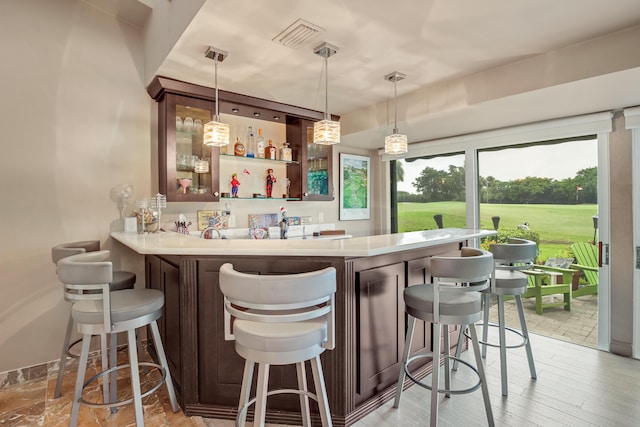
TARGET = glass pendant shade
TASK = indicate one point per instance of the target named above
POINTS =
(326, 132)
(216, 133)
(201, 166)
(396, 144)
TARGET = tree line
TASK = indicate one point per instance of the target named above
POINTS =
(435, 185)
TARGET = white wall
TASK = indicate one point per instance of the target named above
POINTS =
(74, 123)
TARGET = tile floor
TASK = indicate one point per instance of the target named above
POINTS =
(31, 403)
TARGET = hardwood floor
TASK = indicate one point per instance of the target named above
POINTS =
(576, 386)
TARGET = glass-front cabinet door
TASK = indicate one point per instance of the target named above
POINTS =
(191, 172)
(311, 180)
(318, 161)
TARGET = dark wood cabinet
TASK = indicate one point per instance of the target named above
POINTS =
(380, 328)
(180, 144)
(165, 277)
(417, 274)
(360, 373)
(312, 178)
(181, 120)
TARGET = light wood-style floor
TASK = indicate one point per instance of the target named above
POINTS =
(576, 386)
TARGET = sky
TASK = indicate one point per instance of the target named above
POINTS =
(557, 161)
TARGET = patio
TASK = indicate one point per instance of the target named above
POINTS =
(578, 326)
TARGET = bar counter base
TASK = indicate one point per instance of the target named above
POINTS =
(360, 373)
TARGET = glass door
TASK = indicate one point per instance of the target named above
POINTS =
(318, 158)
(188, 168)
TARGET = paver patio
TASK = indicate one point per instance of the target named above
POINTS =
(578, 326)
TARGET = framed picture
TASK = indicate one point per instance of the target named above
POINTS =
(355, 187)
(203, 219)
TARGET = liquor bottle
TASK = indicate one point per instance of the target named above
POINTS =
(260, 144)
(238, 148)
(251, 143)
(285, 152)
(270, 152)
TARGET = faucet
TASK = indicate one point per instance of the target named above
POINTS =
(212, 229)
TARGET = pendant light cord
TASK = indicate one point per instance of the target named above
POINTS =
(326, 88)
(215, 61)
(395, 98)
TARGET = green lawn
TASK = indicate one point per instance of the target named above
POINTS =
(557, 225)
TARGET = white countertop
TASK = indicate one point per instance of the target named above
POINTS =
(170, 243)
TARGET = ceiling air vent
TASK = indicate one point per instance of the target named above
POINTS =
(297, 33)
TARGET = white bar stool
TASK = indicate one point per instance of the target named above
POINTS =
(280, 320)
(449, 300)
(508, 280)
(98, 311)
(121, 280)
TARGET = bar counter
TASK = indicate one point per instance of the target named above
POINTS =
(360, 373)
(171, 243)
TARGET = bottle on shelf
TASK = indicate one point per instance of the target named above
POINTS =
(251, 143)
(238, 148)
(270, 151)
(260, 144)
(285, 152)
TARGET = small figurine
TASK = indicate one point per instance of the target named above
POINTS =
(284, 223)
(270, 180)
(234, 185)
(287, 184)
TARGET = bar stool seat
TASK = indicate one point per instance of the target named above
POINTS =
(510, 258)
(280, 320)
(98, 311)
(452, 299)
(508, 280)
(121, 280)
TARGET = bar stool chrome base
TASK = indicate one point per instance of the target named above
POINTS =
(122, 402)
(241, 417)
(446, 391)
(485, 342)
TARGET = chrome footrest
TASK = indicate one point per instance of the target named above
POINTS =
(274, 392)
(506, 328)
(124, 401)
(443, 390)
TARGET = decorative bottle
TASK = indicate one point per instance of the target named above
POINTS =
(270, 152)
(238, 148)
(285, 152)
(251, 143)
(260, 144)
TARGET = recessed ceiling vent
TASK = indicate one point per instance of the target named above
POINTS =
(297, 33)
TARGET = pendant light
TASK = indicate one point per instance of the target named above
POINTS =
(215, 132)
(327, 131)
(395, 143)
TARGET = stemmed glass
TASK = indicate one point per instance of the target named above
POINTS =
(184, 184)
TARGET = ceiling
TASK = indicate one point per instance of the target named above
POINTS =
(439, 44)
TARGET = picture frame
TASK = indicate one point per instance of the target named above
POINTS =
(355, 187)
(203, 219)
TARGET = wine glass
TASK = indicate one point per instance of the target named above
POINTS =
(184, 184)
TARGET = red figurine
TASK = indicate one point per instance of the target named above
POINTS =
(234, 185)
(270, 180)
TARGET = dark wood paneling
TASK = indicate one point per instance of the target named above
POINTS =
(418, 274)
(380, 328)
(360, 373)
(228, 100)
(173, 347)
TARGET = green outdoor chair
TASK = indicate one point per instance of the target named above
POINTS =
(543, 281)
(586, 256)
